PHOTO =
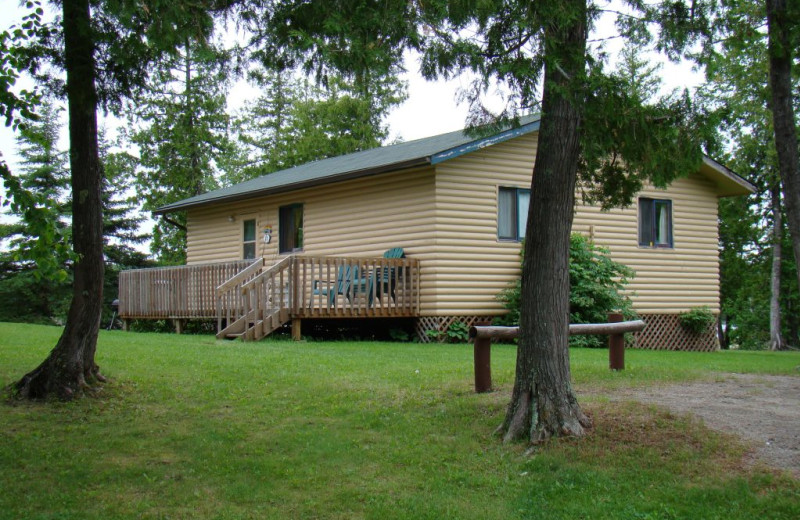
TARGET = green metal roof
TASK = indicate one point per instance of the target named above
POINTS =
(427, 151)
(422, 152)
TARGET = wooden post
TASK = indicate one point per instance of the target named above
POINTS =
(179, 323)
(126, 325)
(483, 363)
(616, 345)
(296, 334)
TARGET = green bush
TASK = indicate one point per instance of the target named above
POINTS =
(596, 284)
(697, 320)
(458, 332)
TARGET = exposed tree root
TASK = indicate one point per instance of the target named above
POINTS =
(538, 417)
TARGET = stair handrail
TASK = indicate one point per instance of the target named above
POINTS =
(224, 291)
(255, 300)
(241, 276)
(266, 273)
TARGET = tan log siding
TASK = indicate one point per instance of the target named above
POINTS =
(362, 217)
(667, 280)
(449, 223)
(472, 266)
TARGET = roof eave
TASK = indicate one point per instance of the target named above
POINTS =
(736, 184)
(404, 165)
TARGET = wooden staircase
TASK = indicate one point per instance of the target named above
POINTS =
(255, 302)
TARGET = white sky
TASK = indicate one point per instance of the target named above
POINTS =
(430, 109)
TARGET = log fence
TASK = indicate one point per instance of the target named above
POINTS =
(483, 336)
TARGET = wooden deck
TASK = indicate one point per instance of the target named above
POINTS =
(251, 300)
(174, 292)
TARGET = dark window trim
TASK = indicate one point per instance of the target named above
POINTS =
(246, 242)
(649, 204)
(283, 233)
(515, 218)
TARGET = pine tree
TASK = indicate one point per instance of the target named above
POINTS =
(34, 289)
(182, 137)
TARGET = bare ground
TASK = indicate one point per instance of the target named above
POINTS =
(762, 409)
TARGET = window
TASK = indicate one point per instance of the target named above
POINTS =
(512, 213)
(655, 223)
(290, 228)
(249, 239)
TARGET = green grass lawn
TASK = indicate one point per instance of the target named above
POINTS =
(191, 427)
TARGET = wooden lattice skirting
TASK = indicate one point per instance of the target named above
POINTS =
(664, 332)
(441, 323)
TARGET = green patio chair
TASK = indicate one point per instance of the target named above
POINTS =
(345, 276)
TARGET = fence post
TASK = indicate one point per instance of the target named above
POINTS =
(483, 363)
(616, 345)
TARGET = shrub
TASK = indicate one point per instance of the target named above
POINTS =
(458, 332)
(697, 320)
(596, 284)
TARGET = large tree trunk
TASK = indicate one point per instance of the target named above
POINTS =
(781, 103)
(543, 403)
(775, 339)
(70, 367)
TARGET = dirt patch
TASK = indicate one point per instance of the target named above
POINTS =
(762, 409)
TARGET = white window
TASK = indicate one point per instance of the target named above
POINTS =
(655, 222)
(290, 228)
(512, 213)
(249, 239)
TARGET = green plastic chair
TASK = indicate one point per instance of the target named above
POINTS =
(343, 285)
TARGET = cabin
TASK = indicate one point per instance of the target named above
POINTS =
(427, 230)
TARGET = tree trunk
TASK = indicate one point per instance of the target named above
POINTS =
(775, 339)
(721, 328)
(70, 368)
(780, 80)
(543, 403)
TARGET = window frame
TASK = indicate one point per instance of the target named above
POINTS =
(284, 233)
(650, 205)
(246, 242)
(516, 236)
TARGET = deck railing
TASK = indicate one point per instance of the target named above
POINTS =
(188, 291)
(314, 287)
(338, 287)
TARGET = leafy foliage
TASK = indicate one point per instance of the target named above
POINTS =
(737, 88)
(597, 285)
(697, 320)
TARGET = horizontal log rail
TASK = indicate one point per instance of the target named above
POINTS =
(614, 329)
(575, 329)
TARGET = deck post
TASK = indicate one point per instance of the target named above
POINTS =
(296, 334)
(483, 363)
(179, 325)
(126, 325)
(616, 345)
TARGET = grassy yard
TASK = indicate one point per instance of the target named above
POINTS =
(191, 427)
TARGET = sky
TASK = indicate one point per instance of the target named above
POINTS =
(430, 109)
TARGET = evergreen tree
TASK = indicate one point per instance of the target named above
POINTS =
(25, 294)
(737, 70)
(182, 137)
(104, 51)
(122, 221)
(295, 122)
(594, 126)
